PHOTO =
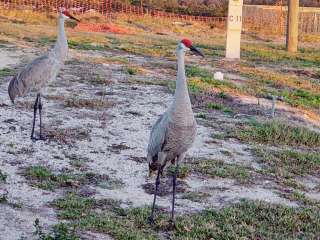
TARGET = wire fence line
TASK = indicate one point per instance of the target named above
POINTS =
(274, 19)
(103, 7)
(270, 19)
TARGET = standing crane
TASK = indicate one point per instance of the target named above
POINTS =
(42, 70)
(175, 130)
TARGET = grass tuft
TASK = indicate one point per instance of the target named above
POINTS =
(219, 106)
(290, 163)
(277, 133)
(5, 72)
(251, 220)
(44, 178)
(217, 168)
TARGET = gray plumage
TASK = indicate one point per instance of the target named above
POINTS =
(174, 132)
(37, 74)
(34, 76)
(42, 70)
(170, 137)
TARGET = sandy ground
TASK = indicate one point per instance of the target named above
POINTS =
(115, 145)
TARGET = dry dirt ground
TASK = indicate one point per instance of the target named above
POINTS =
(97, 119)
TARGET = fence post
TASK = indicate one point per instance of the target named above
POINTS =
(292, 26)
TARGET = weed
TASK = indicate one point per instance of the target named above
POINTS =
(219, 106)
(274, 132)
(131, 70)
(68, 135)
(250, 220)
(44, 178)
(195, 196)
(88, 103)
(290, 163)
(301, 198)
(217, 168)
(45, 41)
(201, 115)
(5, 72)
(74, 207)
(183, 172)
(223, 95)
(60, 232)
(86, 45)
(194, 71)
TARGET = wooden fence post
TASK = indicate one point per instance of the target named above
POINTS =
(292, 26)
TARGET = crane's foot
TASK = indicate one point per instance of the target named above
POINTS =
(151, 220)
(41, 138)
(172, 225)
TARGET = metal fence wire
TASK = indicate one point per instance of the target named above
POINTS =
(271, 19)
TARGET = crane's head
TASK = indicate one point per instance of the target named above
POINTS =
(186, 44)
(64, 13)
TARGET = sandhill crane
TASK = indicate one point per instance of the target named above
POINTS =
(40, 71)
(174, 132)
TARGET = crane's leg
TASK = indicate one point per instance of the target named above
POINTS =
(174, 185)
(41, 137)
(161, 158)
(35, 108)
(151, 218)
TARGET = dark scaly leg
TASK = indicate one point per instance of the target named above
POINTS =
(41, 137)
(35, 107)
(174, 185)
(151, 218)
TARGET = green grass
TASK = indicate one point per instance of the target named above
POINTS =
(207, 77)
(195, 71)
(290, 163)
(131, 70)
(45, 41)
(251, 220)
(277, 133)
(184, 171)
(220, 107)
(244, 220)
(74, 207)
(5, 72)
(60, 231)
(195, 196)
(272, 54)
(302, 199)
(217, 168)
(201, 115)
(132, 226)
(300, 97)
(117, 222)
(44, 178)
(296, 91)
(86, 45)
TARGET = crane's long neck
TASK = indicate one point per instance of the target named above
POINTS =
(60, 49)
(181, 109)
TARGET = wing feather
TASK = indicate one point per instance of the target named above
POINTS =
(158, 135)
(35, 73)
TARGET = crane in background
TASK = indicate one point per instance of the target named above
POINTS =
(37, 74)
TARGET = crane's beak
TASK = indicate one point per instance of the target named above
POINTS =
(196, 51)
(74, 18)
(67, 14)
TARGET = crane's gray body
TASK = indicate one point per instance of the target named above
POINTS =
(174, 132)
(37, 74)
